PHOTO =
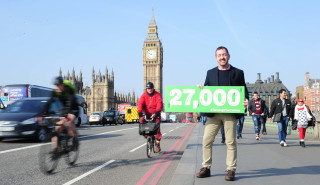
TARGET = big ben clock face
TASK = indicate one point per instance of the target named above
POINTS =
(151, 54)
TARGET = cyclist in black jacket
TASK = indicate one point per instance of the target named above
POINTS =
(67, 95)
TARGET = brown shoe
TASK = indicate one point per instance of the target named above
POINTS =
(204, 172)
(230, 175)
(158, 149)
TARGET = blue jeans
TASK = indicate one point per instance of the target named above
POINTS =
(203, 119)
(240, 125)
(257, 120)
(223, 135)
(282, 128)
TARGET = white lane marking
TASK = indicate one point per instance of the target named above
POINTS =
(37, 145)
(106, 132)
(88, 173)
(171, 130)
(22, 148)
(137, 147)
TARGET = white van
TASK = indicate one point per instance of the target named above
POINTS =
(82, 118)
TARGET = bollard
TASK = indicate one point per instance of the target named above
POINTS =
(317, 130)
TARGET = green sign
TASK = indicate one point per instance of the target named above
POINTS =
(215, 99)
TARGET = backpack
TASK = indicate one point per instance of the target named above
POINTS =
(69, 84)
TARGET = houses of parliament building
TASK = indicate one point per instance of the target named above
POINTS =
(102, 96)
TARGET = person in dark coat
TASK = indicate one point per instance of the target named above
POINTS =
(257, 108)
(222, 75)
(281, 106)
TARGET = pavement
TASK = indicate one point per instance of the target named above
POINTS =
(259, 162)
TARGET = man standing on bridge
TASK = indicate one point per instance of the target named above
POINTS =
(223, 75)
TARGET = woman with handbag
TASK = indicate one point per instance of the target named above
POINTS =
(302, 116)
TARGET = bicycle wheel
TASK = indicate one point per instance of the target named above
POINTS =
(48, 158)
(73, 151)
(149, 146)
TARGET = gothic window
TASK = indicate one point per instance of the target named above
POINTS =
(89, 107)
(99, 107)
(99, 91)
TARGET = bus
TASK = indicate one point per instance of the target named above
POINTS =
(11, 93)
(122, 107)
(189, 117)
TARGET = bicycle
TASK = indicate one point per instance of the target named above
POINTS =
(48, 155)
(150, 129)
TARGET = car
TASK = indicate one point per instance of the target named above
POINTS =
(122, 118)
(112, 117)
(18, 120)
(96, 118)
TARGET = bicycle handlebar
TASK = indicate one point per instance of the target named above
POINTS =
(51, 121)
(151, 117)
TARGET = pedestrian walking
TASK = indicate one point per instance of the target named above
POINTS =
(256, 110)
(240, 126)
(281, 108)
(223, 136)
(203, 118)
(222, 75)
(264, 118)
(301, 117)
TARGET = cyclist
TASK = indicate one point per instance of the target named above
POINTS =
(150, 104)
(66, 93)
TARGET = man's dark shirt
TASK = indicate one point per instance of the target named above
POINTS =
(232, 77)
(223, 77)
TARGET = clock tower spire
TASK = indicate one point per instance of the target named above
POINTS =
(153, 57)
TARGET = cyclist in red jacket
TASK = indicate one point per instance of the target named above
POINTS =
(150, 103)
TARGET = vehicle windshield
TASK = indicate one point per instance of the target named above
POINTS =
(95, 113)
(28, 106)
(111, 113)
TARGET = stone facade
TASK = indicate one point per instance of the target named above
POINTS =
(153, 58)
(312, 93)
(101, 95)
(268, 90)
(300, 92)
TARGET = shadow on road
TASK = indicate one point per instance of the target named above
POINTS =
(307, 170)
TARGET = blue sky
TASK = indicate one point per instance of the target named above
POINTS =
(37, 38)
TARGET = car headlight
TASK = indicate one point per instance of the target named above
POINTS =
(29, 121)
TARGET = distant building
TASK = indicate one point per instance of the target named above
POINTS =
(268, 90)
(300, 92)
(311, 93)
(153, 58)
(101, 95)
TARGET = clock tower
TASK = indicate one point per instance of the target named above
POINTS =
(152, 57)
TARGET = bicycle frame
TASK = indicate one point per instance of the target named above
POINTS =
(151, 144)
(49, 155)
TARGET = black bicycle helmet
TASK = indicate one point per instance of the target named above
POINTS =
(58, 80)
(149, 85)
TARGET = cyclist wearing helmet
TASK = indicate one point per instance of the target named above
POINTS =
(67, 96)
(150, 103)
